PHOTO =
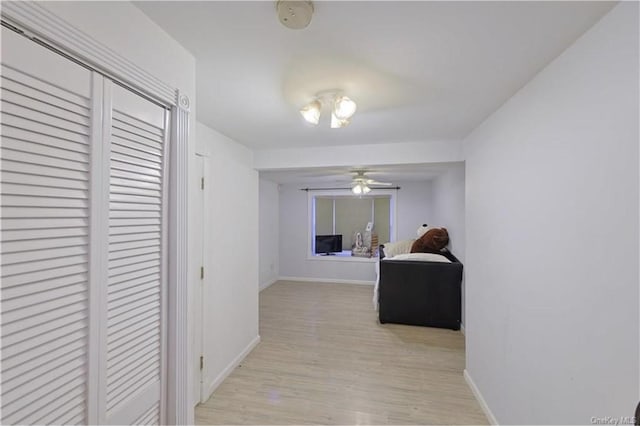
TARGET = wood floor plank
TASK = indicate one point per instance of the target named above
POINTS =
(324, 359)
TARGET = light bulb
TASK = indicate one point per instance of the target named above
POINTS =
(357, 189)
(311, 112)
(343, 107)
(366, 189)
(337, 123)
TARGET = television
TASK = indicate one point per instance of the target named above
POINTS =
(326, 244)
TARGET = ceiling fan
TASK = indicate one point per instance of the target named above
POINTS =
(361, 183)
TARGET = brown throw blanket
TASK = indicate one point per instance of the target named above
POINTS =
(432, 241)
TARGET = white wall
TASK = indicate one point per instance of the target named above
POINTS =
(230, 301)
(552, 237)
(412, 208)
(360, 155)
(448, 210)
(269, 228)
(447, 207)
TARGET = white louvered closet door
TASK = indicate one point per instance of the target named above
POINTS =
(135, 300)
(46, 144)
(83, 244)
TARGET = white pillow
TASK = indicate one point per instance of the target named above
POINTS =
(424, 257)
(399, 247)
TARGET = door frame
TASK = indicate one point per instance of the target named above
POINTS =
(38, 23)
(199, 289)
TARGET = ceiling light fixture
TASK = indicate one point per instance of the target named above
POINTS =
(360, 188)
(311, 112)
(342, 109)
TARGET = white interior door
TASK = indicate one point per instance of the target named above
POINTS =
(46, 128)
(133, 327)
(83, 249)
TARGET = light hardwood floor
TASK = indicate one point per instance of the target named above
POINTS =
(324, 359)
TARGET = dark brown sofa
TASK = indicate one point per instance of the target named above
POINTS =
(420, 293)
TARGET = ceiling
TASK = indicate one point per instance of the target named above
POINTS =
(418, 71)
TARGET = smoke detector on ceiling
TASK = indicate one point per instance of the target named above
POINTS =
(294, 14)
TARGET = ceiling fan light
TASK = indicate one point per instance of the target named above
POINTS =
(311, 112)
(365, 189)
(357, 189)
(337, 123)
(343, 107)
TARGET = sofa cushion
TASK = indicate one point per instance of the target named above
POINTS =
(399, 247)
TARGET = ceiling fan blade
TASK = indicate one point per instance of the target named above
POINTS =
(374, 182)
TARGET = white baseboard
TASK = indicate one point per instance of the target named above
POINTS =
(327, 280)
(267, 284)
(230, 367)
(483, 404)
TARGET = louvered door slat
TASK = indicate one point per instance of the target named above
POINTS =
(132, 167)
(120, 282)
(61, 310)
(21, 236)
(134, 176)
(45, 126)
(45, 140)
(29, 256)
(133, 151)
(64, 415)
(121, 391)
(156, 129)
(129, 127)
(12, 89)
(23, 106)
(44, 149)
(24, 179)
(137, 319)
(34, 373)
(140, 149)
(134, 285)
(25, 371)
(44, 380)
(151, 417)
(121, 254)
(41, 170)
(40, 79)
(58, 394)
(28, 124)
(125, 138)
(130, 346)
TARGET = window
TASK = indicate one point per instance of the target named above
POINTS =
(346, 215)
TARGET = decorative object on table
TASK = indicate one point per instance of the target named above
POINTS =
(374, 245)
(359, 248)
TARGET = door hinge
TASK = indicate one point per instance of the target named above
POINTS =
(202, 272)
(201, 362)
(201, 183)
